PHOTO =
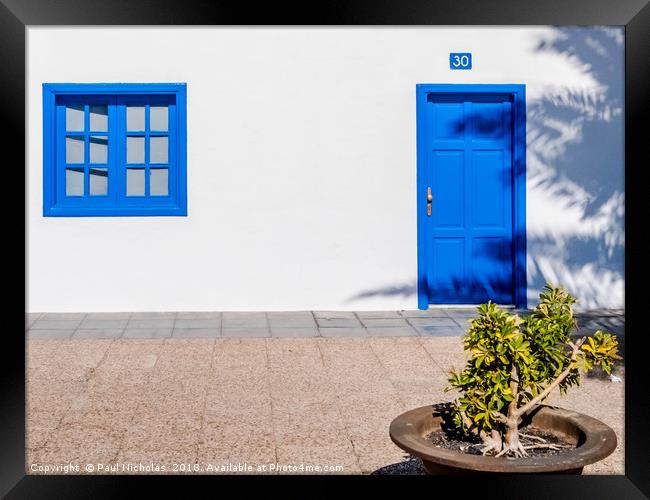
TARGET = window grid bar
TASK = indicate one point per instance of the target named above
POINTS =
(147, 187)
(86, 150)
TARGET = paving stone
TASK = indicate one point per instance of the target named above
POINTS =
(463, 317)
(197, 323)
(343, 332)
(391, 331)
(198, 315)
(334, 315)
(432, 322)
(154, 315)
(244, 320)
(245, 332)
(146, 333)
(296, 331)
(429, 313)
(50, 334)
(108, 315)
(141, 400)
(338, 322)
(51, 324)
(150, 323)
(378, 314)
(103, 323)
(63, 316)
(440, 331)
(285, 320)
(384, 322)
(30, 319)
(98, 333)
(196, 332)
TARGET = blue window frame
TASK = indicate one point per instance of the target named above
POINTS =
(114, 149)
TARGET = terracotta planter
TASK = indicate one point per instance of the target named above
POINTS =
(594, 441)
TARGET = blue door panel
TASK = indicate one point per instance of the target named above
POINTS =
(466, 154)
(448, 121)
(448, 272)
(448, 169)
(492, 263)
(486, 120)
(491, 190)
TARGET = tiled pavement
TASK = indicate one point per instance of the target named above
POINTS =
(147, 396)
(434, 322)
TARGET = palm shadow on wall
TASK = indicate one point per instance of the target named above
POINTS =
(575, 158)
(574, 144)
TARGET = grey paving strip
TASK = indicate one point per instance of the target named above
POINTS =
(93, 323)
(344, 332)
(108, 315)
(97, 333)
(199, 315)
(30, 319)
(50, 333)
(51, 324)
(384, 322)
(147, 333)
(154, 315)
(338, 322)
(391, 331)
(440, 331)
(197, 323)
(334, 315)
(432, 322)
(244, 332)
(237, 320)
(63, 316)
(294, 331)
(430, 313)
(289, 320)
(378, 315)
(196, 333)
(438, 322)
(151, 323)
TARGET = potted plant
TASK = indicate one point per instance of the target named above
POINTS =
(514, 364)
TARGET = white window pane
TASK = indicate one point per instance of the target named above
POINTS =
(74, 117)
(98, 149)
(135, 118)
(74, 149)
(74, 181)
(135, 149)
(158, 150)
(98, 181)
(99, 118)
(158, 118)
(135, 181)
(158, 181)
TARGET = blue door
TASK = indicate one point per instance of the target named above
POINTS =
(469, 238)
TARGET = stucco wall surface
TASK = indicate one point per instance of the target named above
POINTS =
(302, 165)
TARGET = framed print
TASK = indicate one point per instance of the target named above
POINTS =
(263, 241)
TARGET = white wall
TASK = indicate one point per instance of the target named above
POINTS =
(302, 168)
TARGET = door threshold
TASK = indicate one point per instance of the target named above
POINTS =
(465, 306)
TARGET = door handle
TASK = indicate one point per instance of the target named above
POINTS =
(429, 200)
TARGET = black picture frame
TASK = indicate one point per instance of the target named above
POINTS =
(16, 15)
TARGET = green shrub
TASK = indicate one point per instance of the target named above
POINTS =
(517, 362)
